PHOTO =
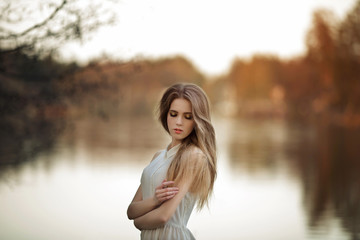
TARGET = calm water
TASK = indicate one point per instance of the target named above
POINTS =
(276, 180)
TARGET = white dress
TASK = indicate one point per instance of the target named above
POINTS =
(152, 177)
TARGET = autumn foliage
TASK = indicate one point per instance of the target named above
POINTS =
(322, 83)
(325, 81)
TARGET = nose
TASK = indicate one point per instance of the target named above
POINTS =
(179, 121)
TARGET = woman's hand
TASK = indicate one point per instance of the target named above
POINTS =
(165, 192)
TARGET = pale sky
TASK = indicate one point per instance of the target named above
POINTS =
(210, 33)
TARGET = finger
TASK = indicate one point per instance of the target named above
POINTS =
(166, 190)
(164, 185)
(161, 185)
(162, 190)
(169, 189)
(172, 189)
(167, 184)
(160, 195)
(166, 194)
(164, 198)
(170, 196)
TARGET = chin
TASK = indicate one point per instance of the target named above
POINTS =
(179, 139)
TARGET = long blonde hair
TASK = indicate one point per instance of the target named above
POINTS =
(196, 156)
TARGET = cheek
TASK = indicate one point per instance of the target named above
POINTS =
(170, 121)
(191, 126)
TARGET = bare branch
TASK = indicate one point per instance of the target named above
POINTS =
(36, 26)
(16, 49)
(63, 22)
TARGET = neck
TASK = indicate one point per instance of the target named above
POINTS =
(174, 143)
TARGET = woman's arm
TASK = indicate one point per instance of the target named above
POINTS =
(159, 216)
(139, 207)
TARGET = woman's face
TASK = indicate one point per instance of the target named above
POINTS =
(180, 120)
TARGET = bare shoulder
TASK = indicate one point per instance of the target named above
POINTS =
(196, 154)
(194, 150)
(156, 155)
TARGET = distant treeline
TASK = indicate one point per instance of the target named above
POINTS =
(109, 87)
(324, 81)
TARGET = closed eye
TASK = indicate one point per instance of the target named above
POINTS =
(188, 116)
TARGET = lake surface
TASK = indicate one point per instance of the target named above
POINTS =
(276, 180)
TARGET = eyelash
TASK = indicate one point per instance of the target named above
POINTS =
(188, 117)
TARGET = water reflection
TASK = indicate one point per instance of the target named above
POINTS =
(331, 180)
(272, 174)
(323, 158)
(122, 140)
(256, 146)
(22, 141)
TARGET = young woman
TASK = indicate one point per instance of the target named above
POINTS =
(180, 175)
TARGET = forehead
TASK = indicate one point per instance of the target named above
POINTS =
(181, 105)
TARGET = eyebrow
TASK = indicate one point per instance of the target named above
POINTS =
(178, 112)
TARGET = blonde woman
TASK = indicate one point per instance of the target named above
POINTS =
(181, 175)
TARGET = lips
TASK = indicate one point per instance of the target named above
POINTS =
(178, 130)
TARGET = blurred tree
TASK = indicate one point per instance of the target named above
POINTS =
(40, 26)
(110, 88)
(334, 58)
(301, 87)
(347, 74)
(254, 79)
(30, 33)
(253, 83)
(320, 41)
